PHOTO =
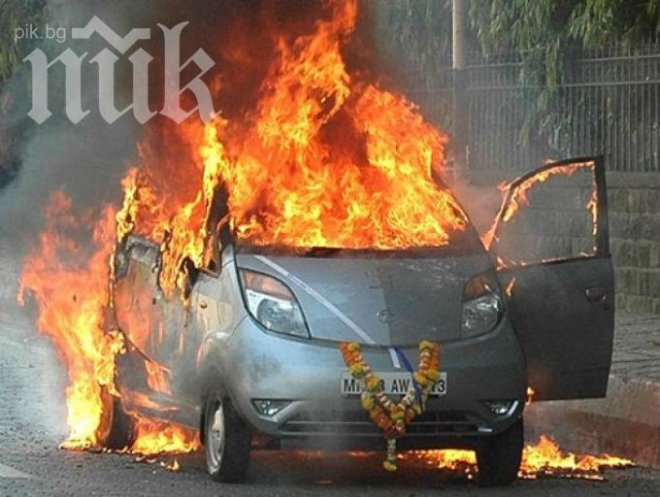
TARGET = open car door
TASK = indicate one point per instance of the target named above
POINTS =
(551, 244)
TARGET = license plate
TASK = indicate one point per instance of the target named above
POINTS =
(392, 384)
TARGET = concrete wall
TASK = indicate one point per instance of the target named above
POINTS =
(634, 205)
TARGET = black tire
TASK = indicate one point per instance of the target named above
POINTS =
(499, 457)
(227, 441)
(116, 431)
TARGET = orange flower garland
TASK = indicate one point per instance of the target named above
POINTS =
(393, 417)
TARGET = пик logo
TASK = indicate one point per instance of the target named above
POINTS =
(106, 60)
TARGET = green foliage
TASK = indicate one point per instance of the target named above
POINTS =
(599, 21)
(528, 25)
(545, 34)
(15, 14)
(415, 32)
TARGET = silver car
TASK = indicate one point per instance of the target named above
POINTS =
(251, 355)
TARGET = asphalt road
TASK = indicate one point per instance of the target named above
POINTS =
(32, 423)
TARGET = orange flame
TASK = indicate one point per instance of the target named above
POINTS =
(544, 458)
(592, 206)
(530, 396)
(172, 466)
(158, 378)
(159, 437)
(509, 289)
(325, 160)
(519, 197)
(69, 283)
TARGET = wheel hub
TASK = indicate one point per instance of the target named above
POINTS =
(216, 436)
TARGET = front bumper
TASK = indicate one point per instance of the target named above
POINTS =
(258, 365)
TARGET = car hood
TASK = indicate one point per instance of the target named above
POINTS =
(371, 299)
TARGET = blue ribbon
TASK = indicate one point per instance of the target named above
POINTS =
(406, 363)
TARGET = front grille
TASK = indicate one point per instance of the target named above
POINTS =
(357, 423)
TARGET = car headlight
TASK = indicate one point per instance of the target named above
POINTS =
(270, 302)
(482, 305)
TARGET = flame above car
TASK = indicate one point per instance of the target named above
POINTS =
(326, 158)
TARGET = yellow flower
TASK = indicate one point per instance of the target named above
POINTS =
(397, 414)
(391, 417)
(421, 379)
(433, 375)
(357, 370)
(372, 383)
(410, 415)
(353, 347)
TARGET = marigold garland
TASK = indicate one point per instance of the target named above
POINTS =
(393, 417)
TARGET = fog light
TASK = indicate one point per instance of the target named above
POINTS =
(268, 407)
(501, 407)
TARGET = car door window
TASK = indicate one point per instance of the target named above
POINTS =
(551, 215)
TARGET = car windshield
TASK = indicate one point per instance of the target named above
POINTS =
(464, 243)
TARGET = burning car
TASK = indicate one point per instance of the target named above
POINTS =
(317, 210)
(248, 350)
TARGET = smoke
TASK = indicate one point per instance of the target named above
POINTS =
(84, 160)
(87, 160)
(481, 202)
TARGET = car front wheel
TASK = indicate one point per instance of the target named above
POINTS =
(499, 456)
(116, 426)
(227, 441)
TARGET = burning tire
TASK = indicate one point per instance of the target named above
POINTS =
(116, 430)
(499, 457)
(227, 441)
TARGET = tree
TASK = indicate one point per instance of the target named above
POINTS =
(14, 14)
(545, 35)
(415, 35)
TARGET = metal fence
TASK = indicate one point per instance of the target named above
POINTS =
(607, 103)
